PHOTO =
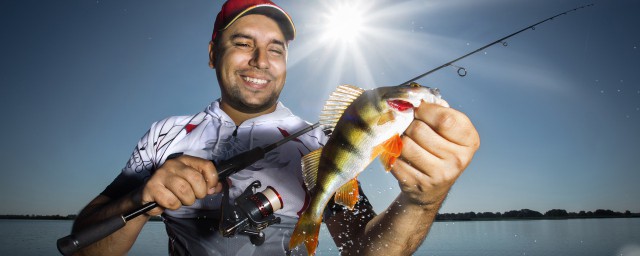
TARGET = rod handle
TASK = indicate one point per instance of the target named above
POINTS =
(70, 244)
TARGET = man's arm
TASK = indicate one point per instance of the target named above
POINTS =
(438, 146)
(102, 208)
(177, 182)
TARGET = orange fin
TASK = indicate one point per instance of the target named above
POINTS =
(388, 151)
(306, 231)
(347, 195)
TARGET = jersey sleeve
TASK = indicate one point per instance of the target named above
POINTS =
(151, 152)
(137, 170)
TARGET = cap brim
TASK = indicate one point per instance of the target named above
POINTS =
(274, 12)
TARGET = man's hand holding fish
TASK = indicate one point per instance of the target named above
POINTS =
(438, 146)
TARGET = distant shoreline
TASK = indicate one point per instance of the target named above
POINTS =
(524, 214)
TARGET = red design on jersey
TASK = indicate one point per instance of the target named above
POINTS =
(190, 127)
(286, 134)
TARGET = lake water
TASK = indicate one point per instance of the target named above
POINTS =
(595, 237)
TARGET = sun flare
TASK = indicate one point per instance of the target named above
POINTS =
(344, 23)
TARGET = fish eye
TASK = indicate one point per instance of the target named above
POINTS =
(414, 85)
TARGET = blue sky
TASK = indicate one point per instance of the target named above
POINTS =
(558, 109)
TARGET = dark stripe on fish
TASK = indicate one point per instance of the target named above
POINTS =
(346, 143)
(357, 122)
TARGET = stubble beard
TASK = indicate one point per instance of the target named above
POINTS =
(236, 101)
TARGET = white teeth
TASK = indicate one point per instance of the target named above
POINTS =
(254, 80)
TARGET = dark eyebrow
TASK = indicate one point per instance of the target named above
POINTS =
(240, 35)
(278, 42)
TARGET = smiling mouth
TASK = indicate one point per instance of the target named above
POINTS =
(257, 81)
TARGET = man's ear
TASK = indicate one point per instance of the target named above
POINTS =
(212, 55)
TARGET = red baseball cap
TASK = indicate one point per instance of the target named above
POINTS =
(232, 10)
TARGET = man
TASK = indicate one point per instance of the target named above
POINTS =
(248, 51)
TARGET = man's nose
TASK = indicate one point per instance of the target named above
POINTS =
(260, 59)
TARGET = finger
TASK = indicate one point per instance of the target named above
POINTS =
(182, 189)
(425, 138)
(195, 179)
(406, 174)
(417, 156)
(204, 166)
(418, 165)
(166, 199)
(216, 189)
(449, 123)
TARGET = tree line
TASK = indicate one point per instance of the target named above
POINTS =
(531, 214)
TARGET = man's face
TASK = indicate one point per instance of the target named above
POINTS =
(250, 63)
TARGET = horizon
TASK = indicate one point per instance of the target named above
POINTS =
(557, 109)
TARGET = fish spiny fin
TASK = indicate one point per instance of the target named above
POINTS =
(339, 100)
(389, 151)
(386, 117)
(310, 164)
(307, 230)
(347, 195)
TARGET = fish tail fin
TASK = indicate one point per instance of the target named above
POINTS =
(307, 230)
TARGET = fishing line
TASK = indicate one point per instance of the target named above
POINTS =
(463, 71)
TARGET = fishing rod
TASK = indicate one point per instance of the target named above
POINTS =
(463, 72)
(70, 244)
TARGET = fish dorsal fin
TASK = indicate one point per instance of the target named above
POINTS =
(339, 100)
(347, 195)
(388, 151)
(310, 164)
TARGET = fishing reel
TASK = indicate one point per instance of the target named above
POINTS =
(250, 213)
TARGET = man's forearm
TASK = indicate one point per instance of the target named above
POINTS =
(102, 208)
(399, 230)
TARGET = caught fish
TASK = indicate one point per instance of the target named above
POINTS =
(366, 124)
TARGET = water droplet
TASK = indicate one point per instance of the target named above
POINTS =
(601, 91)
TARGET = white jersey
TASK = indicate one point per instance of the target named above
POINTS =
(212, 135)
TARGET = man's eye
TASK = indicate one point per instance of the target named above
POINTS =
(242, 45)
(276, 51)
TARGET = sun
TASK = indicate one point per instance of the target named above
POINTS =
(344, 22)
